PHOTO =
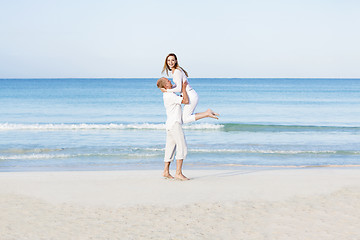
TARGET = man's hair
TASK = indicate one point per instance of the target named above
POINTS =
(160, 82)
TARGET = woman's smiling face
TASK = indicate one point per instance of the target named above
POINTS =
(171, 62)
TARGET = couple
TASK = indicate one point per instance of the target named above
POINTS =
(175, 139)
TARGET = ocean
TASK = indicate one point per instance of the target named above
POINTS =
(117, 124)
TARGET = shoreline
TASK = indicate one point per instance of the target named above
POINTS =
(159, 167)
(306, 203)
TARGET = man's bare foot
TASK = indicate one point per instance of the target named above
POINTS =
(167, 175)
(212, 114)
(181, 177)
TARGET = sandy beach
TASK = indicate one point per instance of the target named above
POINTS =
(256, 203)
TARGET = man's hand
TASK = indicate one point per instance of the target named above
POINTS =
(163, 89)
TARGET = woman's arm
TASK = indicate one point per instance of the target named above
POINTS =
(177, 79)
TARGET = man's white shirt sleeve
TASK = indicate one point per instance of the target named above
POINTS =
(176, 99)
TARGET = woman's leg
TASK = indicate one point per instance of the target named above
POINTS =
(188, 110)
(207, 113)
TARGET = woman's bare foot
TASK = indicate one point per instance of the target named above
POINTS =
(212, 114)
(167, 175)
(181, 177)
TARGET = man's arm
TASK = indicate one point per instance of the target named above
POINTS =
(184, 93)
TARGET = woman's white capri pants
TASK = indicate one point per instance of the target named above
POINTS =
(188, 110)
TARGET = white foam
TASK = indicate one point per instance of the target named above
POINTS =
(261, 151)
(203, 126)
(109, 126)
(61, 126)
(34, 157)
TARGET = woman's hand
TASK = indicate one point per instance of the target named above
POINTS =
(184, 84)
(163, 89)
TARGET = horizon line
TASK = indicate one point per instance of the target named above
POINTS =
(189, 78)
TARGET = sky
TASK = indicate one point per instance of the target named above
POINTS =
(130, 39)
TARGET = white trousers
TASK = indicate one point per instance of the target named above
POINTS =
(188, 110)
(175, 140)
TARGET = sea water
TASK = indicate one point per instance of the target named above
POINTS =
(111, 124)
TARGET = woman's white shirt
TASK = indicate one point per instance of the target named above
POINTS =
(178, 78)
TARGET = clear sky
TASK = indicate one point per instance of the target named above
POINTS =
(237, 38)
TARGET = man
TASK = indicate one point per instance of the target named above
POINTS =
(175, 139)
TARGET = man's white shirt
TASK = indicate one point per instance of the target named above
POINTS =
(172, 103)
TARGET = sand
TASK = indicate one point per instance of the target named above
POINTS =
(257, 203)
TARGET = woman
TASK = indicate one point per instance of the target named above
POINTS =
(180, 76)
